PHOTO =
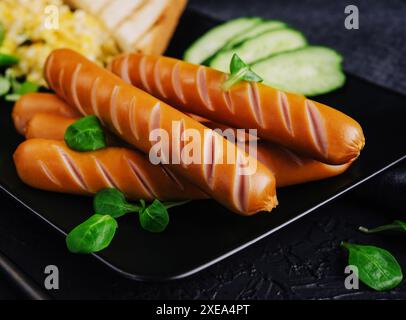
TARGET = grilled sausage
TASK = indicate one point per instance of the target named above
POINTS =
(33, 103)
(288, 167)
(132, 114)
(291, 120)
(51, 165)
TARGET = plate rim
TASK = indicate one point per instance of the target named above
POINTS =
(195, 270)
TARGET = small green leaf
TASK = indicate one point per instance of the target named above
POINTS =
(93, 235)
(239, 71)
(86, 134)
(112, 202)
(27, 87)
(237, 64)
(4, 86)
(377, 268)
(397, 225)
(7, 60)
(155, 217)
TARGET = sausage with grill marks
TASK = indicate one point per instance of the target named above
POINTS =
(50, 165)
(291, 120)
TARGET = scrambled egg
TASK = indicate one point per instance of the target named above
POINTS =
(29, 36)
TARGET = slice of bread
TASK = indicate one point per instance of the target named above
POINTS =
(137, 25)
(118, 11)
(157, 39)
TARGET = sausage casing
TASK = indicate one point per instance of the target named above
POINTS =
(291, 120)
(51, 165)
(33, 103)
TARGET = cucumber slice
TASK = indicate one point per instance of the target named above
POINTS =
(254, 32)
(262, 46)
(309, 71)
(212, 41)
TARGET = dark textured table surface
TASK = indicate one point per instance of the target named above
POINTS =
(304, 259)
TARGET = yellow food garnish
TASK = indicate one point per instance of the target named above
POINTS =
(30, 37)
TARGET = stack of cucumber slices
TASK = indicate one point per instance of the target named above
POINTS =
(278, 53)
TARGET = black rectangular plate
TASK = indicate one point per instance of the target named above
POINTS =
(202, 232)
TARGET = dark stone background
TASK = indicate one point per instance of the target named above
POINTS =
(302, 261)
